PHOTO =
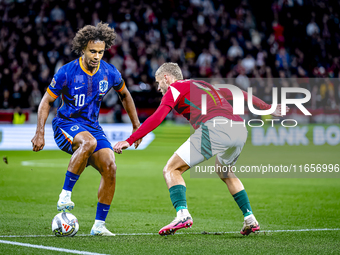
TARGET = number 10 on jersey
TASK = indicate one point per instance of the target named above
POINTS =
(80, 100)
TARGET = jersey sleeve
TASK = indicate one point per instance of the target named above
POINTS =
(118, 82)
(56, 85)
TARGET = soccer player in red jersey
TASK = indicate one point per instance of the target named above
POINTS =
(210, 138)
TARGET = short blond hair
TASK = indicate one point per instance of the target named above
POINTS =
(171, 69)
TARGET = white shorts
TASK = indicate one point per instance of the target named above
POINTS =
(211, 139)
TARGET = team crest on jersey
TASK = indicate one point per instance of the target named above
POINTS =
(53, 82)
(74, 128)
(103, 85)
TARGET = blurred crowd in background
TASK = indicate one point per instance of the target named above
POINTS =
(262, 44)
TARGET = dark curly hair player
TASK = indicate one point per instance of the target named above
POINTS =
(101, 32)
(82, 84)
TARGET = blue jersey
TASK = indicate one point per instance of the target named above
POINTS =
(82, 91)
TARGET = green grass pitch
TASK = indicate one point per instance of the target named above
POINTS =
(31, 182)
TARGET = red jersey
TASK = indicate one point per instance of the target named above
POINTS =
(185, 96)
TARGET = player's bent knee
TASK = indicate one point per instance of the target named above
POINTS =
(168, 171)
(165, 170)
(109, 171)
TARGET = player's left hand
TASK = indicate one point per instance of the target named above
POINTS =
(120, 146)
(278, 111)
(137, 143)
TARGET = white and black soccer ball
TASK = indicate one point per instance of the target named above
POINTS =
(65, 224)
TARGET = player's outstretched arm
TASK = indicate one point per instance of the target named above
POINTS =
(38, 141)
(130, 108)
(149, 124)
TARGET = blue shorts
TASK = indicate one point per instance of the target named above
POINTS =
(65, 131)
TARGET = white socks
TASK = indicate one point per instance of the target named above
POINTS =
(249, 218)
(99, 222)
(65, 193)
(183, 213)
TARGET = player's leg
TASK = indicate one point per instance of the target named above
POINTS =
(237, 190)
(228, 141)
(78, 142)
(172, 173)
(103, 160)
(186, 156)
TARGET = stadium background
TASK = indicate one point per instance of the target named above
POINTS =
(243, 40)
(208, 39)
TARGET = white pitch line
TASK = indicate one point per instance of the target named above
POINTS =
(28, 236)
(193, 233)
(42, 164)
(304, 230)
(50, 248)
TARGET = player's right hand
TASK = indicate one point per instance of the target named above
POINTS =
(38, 142)
(120, 146)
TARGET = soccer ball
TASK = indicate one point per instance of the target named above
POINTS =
(65, 224)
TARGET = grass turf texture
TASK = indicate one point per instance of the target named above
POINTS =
(31, 182)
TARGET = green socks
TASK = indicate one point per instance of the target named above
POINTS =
(179, 201)
(178, 197)
(242, 201)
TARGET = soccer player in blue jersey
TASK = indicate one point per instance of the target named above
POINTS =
(82, 84)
